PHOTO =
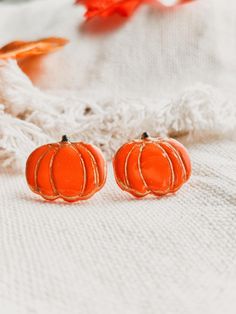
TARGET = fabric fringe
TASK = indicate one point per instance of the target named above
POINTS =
(30, 117)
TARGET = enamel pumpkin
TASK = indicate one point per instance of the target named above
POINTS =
(151, 166)
(71, 171)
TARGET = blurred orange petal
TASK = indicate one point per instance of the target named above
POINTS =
(106, 8)
(23, 49)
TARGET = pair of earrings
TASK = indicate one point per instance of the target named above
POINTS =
(75, 171)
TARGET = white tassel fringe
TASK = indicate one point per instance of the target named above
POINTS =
(30, 117)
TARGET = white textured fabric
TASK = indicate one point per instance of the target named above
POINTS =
(116, 255)
(152, 54)
(113, 254)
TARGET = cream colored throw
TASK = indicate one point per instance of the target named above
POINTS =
(168, 73)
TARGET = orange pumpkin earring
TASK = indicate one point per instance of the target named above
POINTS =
(151, 166)
(71, 171)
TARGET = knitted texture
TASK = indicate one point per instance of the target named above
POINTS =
(114, 254)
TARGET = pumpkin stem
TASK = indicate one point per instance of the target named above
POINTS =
(145, 135)
(64, 139)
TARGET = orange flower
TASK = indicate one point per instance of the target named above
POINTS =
(105, 8)
(23, 49)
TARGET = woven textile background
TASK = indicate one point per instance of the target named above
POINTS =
(114, 254)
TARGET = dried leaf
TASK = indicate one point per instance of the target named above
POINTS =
(23, 49)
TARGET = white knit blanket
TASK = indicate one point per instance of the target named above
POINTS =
(141, 77)
(116, 255)
(169, 73)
